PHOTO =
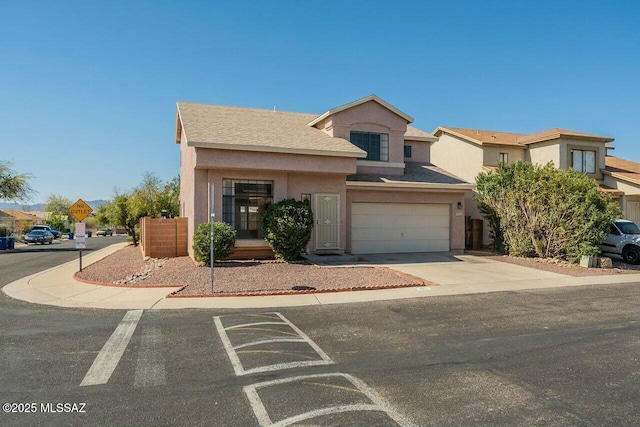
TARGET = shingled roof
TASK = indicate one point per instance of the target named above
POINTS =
(622, 169)
(414, 173)
(481, 137)
(249, 129)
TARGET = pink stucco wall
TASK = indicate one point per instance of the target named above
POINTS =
(255, 160)
(370, 117)
(420, 151)
(286, 184)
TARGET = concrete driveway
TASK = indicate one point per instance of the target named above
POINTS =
(446, 268)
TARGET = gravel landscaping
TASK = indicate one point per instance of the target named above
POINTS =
(127, 267)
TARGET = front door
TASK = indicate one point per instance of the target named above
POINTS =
(327, 215)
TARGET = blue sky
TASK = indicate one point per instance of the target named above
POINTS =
(88, 89)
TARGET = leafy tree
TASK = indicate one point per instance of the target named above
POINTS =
(150, 198)
(122, 212)
(58, 204)
(55, 221)
(287, 227)
(544, 211)
(14, 186)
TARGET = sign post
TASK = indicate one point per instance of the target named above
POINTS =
(211, 247)
(80, 210)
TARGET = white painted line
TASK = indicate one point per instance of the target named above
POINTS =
(107, 360)
(237, 364)
(233, 357)
(254, 324)
(150, 370)
(378, 405)
(318, 350)
(250, 344)
(325, 411)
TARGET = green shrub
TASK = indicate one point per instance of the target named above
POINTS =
(287, 227)
(4, 231)
(224, 240)
(544, 211)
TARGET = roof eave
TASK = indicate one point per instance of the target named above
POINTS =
(604, 139)
(621, 177)
(441, 129)
(421, 138)
(257, 148)
(423, 185)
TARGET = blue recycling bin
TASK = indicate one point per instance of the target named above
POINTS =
(11, 243)
(70, 236)
(88, 233)
(3, 243)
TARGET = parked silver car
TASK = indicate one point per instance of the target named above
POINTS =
(39, 236)
(623, 239)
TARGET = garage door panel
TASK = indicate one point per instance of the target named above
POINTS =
(398, 227)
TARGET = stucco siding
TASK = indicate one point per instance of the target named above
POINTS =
(543, 153)
(370, 117)
(228, 159)
(491, 155)
(461, 158)
(420, 152)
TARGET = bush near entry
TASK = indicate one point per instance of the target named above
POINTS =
(287, 227)
(543, 211)
(224, 240)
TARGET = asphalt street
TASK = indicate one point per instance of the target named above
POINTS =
(30, 259)
(567, 356)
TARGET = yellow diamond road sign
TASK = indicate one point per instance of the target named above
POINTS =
(80, 210)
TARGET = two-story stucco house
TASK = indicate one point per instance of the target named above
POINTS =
(365, 172)
(467, 152)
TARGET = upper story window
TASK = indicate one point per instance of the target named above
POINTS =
(503, 158)
(583, 161)
(375, 144)
(407, 151)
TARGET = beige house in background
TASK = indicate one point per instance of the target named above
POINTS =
(17, 221)
(467, 152)
(365, 172)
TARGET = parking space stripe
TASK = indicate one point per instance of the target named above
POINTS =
(251, 391)
(107, 359)
(252, 324)
(250, 344)
(301, 337)
(322, 354)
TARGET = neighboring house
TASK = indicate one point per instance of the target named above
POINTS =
(366, 174)
(17, 221)
(467, 152)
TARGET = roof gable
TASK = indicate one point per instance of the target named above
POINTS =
(369, 98)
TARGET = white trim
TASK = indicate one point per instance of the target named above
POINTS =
(270, 149)
(379, 164)
(420, 138)
(425, 185)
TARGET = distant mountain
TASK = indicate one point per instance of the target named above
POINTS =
(95, 204)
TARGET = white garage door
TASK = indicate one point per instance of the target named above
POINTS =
(399, 227)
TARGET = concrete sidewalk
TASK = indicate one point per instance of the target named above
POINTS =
(57, 287)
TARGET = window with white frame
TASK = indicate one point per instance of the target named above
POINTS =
(243, 203)
(375, 144)
(503, 158)
(583, 161)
